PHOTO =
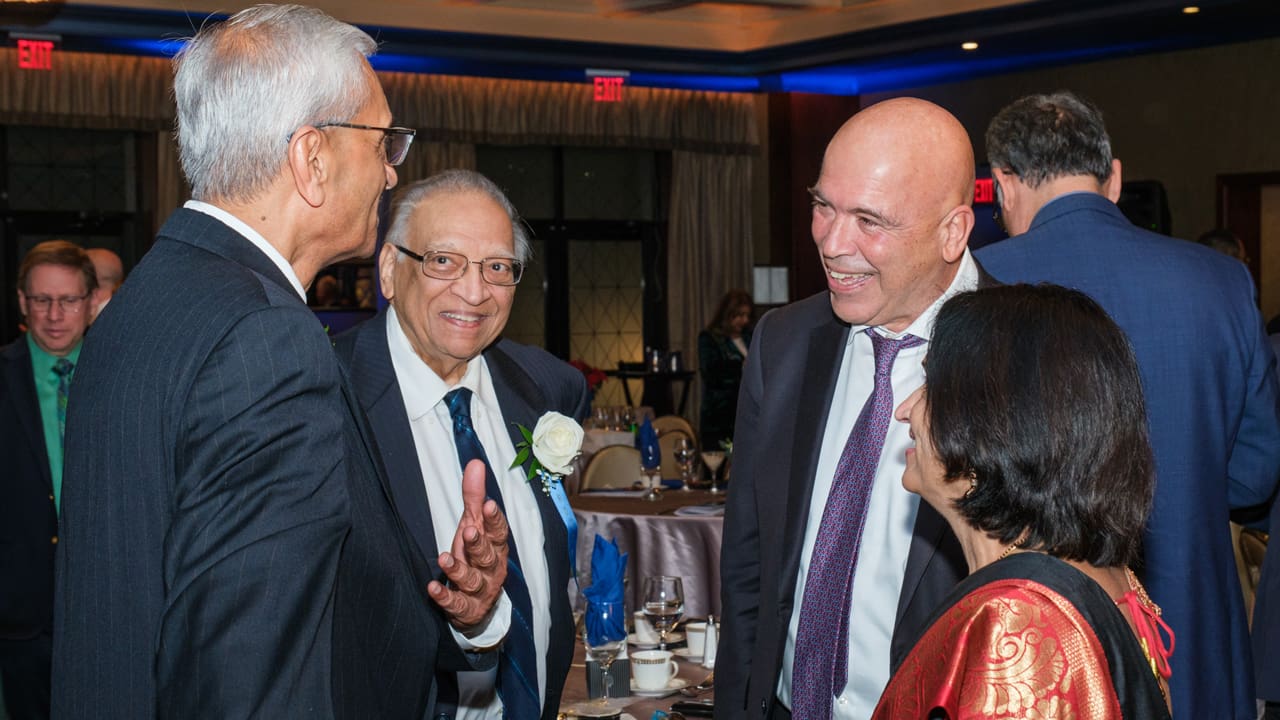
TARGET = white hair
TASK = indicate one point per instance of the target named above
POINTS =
(245, 85)
(455, 181)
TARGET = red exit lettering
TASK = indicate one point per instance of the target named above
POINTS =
(35, 54)
(984, 191)
(608, 89)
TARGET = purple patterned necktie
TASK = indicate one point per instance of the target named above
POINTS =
(822, 639)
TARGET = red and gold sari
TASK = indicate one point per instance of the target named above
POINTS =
(1026, 637)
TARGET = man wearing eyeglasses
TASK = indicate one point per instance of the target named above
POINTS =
(229, 545)
(55, 281)
(453, 256)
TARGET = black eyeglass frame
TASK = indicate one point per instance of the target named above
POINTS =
(389, 138)
(517, 267)
(69, 304)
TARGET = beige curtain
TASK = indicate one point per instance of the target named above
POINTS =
(712, 137)
(709, 248)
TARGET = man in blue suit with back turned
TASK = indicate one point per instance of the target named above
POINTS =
(1207, 371)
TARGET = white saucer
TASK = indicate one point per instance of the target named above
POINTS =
(672, 639)
(673, 687)
(685, 653)
(592, 709)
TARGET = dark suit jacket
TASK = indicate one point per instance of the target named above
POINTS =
(28, 519)
(529, 382)
(1210, 388)
(787, 386)
(230, 548)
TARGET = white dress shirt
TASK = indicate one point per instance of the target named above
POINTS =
(891, 511)
(423, 392)
(252, 236)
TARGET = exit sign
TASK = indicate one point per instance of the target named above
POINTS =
(984, 191)
(608, 89)
(35, 54)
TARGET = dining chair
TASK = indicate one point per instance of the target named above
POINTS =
(671, 428)
(615, 466)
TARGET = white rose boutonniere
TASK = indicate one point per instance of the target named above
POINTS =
(554, 443)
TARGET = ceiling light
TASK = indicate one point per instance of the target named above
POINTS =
(969, 45)
(1190, 10)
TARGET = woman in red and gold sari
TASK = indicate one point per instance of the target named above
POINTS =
(1031, 441)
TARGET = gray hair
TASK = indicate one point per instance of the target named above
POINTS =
(245, 85)
(455, 181)
(1045, 137)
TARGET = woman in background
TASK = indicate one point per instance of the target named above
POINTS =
(1031, 441)
(722, 348)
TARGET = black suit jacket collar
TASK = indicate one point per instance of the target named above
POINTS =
(21, 387)
(376, 385)
(209, 233)
(930, 535)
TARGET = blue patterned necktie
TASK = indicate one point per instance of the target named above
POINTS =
(821, 667)
(517, 663)
(63, 369)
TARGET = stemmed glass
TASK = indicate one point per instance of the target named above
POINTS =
(686, 454)
(713, 460)
(605, 633)
(663, 604)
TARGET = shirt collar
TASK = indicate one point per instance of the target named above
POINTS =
(922, 327)
(420, 386)
(252, 236)
(42, 362)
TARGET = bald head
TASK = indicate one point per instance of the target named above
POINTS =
(925, 146)
(891, 211)
(108, 268)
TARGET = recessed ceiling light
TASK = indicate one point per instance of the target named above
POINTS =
(969, 46)
(1190, 10)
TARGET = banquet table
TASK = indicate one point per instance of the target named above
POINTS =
(640, 708)
(658, 541)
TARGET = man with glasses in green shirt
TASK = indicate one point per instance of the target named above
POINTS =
(55, 282)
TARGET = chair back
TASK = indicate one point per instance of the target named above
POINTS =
(671, 428)
(1250, 547)
(615, 466)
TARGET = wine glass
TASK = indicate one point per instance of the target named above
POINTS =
(663, 604)
(605, 633)
(713, 460)
(686, 454)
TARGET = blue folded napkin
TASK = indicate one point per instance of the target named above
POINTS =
(647, 442)
(608, 568)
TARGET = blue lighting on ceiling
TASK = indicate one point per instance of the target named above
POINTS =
(916, 70)
(881, 77)
(139, 46)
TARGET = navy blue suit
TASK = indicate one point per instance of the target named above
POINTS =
(230, 546)
(28, 534)
(529, 382)
(1207, 372)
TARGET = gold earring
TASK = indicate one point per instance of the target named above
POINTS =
(973, 483)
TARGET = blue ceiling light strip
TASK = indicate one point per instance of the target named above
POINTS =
(1024, 36)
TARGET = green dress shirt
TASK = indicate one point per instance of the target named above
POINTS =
(47, 395)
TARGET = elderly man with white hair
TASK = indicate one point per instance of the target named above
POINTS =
(229, 545)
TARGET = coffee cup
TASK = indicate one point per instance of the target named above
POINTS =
(695, 637)
(644, 631)
(653, 669)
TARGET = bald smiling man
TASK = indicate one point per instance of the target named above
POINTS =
(812, 626)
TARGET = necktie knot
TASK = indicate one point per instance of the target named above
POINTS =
(63, 367)
(459, 400)
(886, 349)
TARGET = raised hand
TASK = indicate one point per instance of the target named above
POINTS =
(477, 564)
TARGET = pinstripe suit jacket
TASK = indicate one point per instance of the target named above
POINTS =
(230, 548)
(529, 382)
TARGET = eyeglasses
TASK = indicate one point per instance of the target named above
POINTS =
(70, 304)
(395, 140)
(451, 266)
